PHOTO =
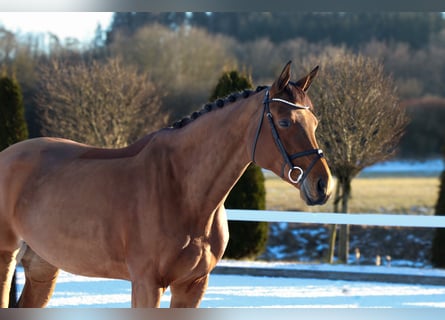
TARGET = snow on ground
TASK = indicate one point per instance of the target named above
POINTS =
(271, 292)
(431, 166)
(324, 267)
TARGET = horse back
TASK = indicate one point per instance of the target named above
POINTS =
(50, 152)
(54, 184)
(23, 164)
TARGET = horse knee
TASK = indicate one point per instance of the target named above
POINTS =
(145, 294)
(188, 295)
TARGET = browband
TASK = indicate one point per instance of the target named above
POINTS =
(297, 106)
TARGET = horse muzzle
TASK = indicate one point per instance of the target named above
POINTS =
(316, 191)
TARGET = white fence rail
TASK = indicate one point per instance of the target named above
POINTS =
(302, 271)
(374, 219)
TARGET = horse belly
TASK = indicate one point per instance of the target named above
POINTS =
(87, 257)
(86, 245)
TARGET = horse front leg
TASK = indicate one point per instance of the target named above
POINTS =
(189, 294)
(145, 294)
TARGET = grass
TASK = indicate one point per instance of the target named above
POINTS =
(408, 195)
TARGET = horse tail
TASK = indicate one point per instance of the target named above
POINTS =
(13, 292)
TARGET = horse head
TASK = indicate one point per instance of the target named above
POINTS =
(286, 134)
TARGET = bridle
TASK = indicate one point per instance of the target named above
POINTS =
(287, 158)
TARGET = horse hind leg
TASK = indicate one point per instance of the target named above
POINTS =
(40, 281)
(7, 267)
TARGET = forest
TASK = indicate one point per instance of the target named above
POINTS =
(183, 54)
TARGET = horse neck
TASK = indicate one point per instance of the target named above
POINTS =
(213, 151)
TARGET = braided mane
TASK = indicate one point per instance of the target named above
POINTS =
(217, 104)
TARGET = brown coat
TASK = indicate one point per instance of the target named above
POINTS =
(151, 213)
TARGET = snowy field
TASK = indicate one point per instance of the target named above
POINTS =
(430, 167)
(234, 291)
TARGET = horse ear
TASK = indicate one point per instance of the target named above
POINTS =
(283, 79)
(305, 82)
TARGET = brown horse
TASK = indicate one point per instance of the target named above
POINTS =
(151, 213)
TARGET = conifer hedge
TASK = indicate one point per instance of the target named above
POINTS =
(438, 248)
(13, 126)
(247, 239)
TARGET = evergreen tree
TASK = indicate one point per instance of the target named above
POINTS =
(12, 129)
(438, 248)
(338, 28)
(12, 113)
(247, 239)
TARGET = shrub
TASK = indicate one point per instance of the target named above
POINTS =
(247, 239)
(12, 113)
(98, 103)
(438, 248)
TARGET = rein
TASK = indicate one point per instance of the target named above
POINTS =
(286, 157)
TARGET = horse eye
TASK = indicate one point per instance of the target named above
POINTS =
(284, 123)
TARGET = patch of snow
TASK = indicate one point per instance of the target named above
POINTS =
(431, 166)
(335, 267)
(264, 292)
(412, 167)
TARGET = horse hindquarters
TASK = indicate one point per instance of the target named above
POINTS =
(40, 281)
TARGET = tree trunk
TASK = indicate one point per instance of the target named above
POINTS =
(333, 227)
(342, 194)
(343, 237)
(332, 238)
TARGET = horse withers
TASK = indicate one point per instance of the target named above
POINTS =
(151, 213)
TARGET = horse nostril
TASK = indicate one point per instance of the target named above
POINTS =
(321, 187)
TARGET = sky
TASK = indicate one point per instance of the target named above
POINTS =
(80, 25)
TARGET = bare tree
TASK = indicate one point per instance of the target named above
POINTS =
(361, 123)
(105, 105)
(186, 62)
